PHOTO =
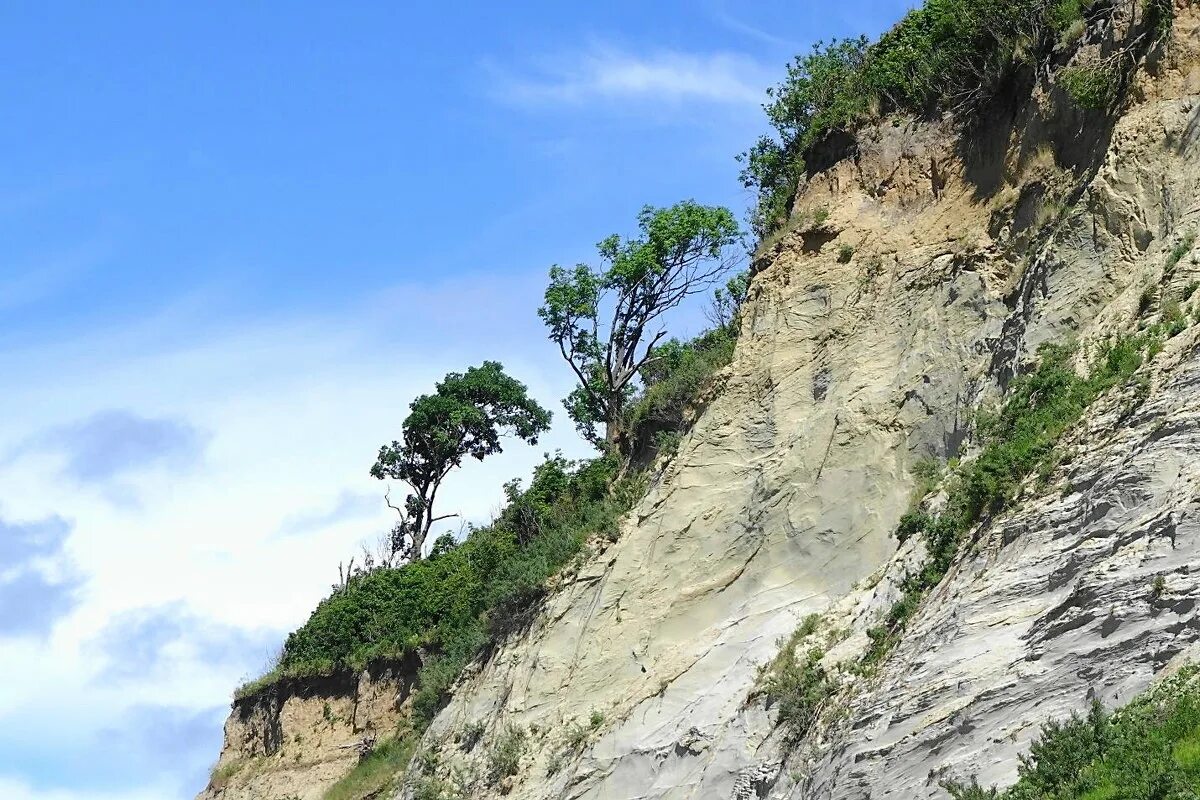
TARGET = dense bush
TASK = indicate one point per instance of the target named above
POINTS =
(453, 602)
(1017, 440)
(797, 684)
(679, 373)
(948, 54)
(1149, 749)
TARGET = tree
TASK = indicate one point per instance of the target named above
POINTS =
(681, 251)
(467, 415)
(726, 302)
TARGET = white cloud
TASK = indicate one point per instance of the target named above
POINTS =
(607, 73)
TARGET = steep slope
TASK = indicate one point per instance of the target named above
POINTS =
(921, 269)
(916, 277)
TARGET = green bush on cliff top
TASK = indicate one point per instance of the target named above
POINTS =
(946, 54)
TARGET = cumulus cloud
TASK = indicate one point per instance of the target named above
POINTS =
(607, 73)
(115, 443)
(38, 586)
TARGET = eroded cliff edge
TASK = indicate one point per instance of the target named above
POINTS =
(917, 276)
(921, 269)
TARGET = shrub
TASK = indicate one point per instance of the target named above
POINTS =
(1017, 440)
(1149, 749)
(1178, 252)
(797, 685)
(678, 375)
(504, 757)
(845, 253)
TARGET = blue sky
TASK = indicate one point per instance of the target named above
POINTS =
(238, 239)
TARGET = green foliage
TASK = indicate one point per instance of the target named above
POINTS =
(376, 772)
(797, 685)
(821, 93)
(1090, 86)
(1148, 749)
(1178, 252)
(504, 756)
(845, 253)
(679, 252)
(946, 53)
(453, 603)
(466, 416)
(1017, 440)
(676, 375)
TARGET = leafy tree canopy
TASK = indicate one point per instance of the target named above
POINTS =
(467, 415)
(607, 321)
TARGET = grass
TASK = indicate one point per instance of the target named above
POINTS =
(377, 772)
(796, 683)
(1148, 749)
(1177, 253)
(1091, 87)
(222, 773)
(504, 756)
(1018, 440)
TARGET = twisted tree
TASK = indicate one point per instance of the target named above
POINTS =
(467, 415)
(681, 251)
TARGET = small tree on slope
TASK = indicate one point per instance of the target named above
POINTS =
(681, 251)
(467, 415)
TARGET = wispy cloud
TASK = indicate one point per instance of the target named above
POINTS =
(112, 444)
(145, 641)
(607, 73)
(347, 506)
(38, 585)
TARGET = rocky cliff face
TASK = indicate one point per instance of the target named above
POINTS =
(919, 273)
(295, 739)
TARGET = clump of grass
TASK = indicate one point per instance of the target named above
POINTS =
(1017, 440)
(504, 757)
(1148, 749)
(580, 735)
(377, 772)
(1177, 253)
(222, 773)
(1092, 87)
(796, 683)
(845, 254)
(471, 734)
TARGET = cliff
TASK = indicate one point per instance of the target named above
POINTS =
(921, 269)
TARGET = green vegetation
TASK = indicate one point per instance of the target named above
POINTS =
(1017, 440)
(845, 254)
(504, 757)
(797, 685)
(466, 594)
(376, 772)
(680, 251)
(466, 416)
(1148, 749)
(1092, 87)
(948, 54)
(223, 773)
(1178, 252)
(677, 374)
